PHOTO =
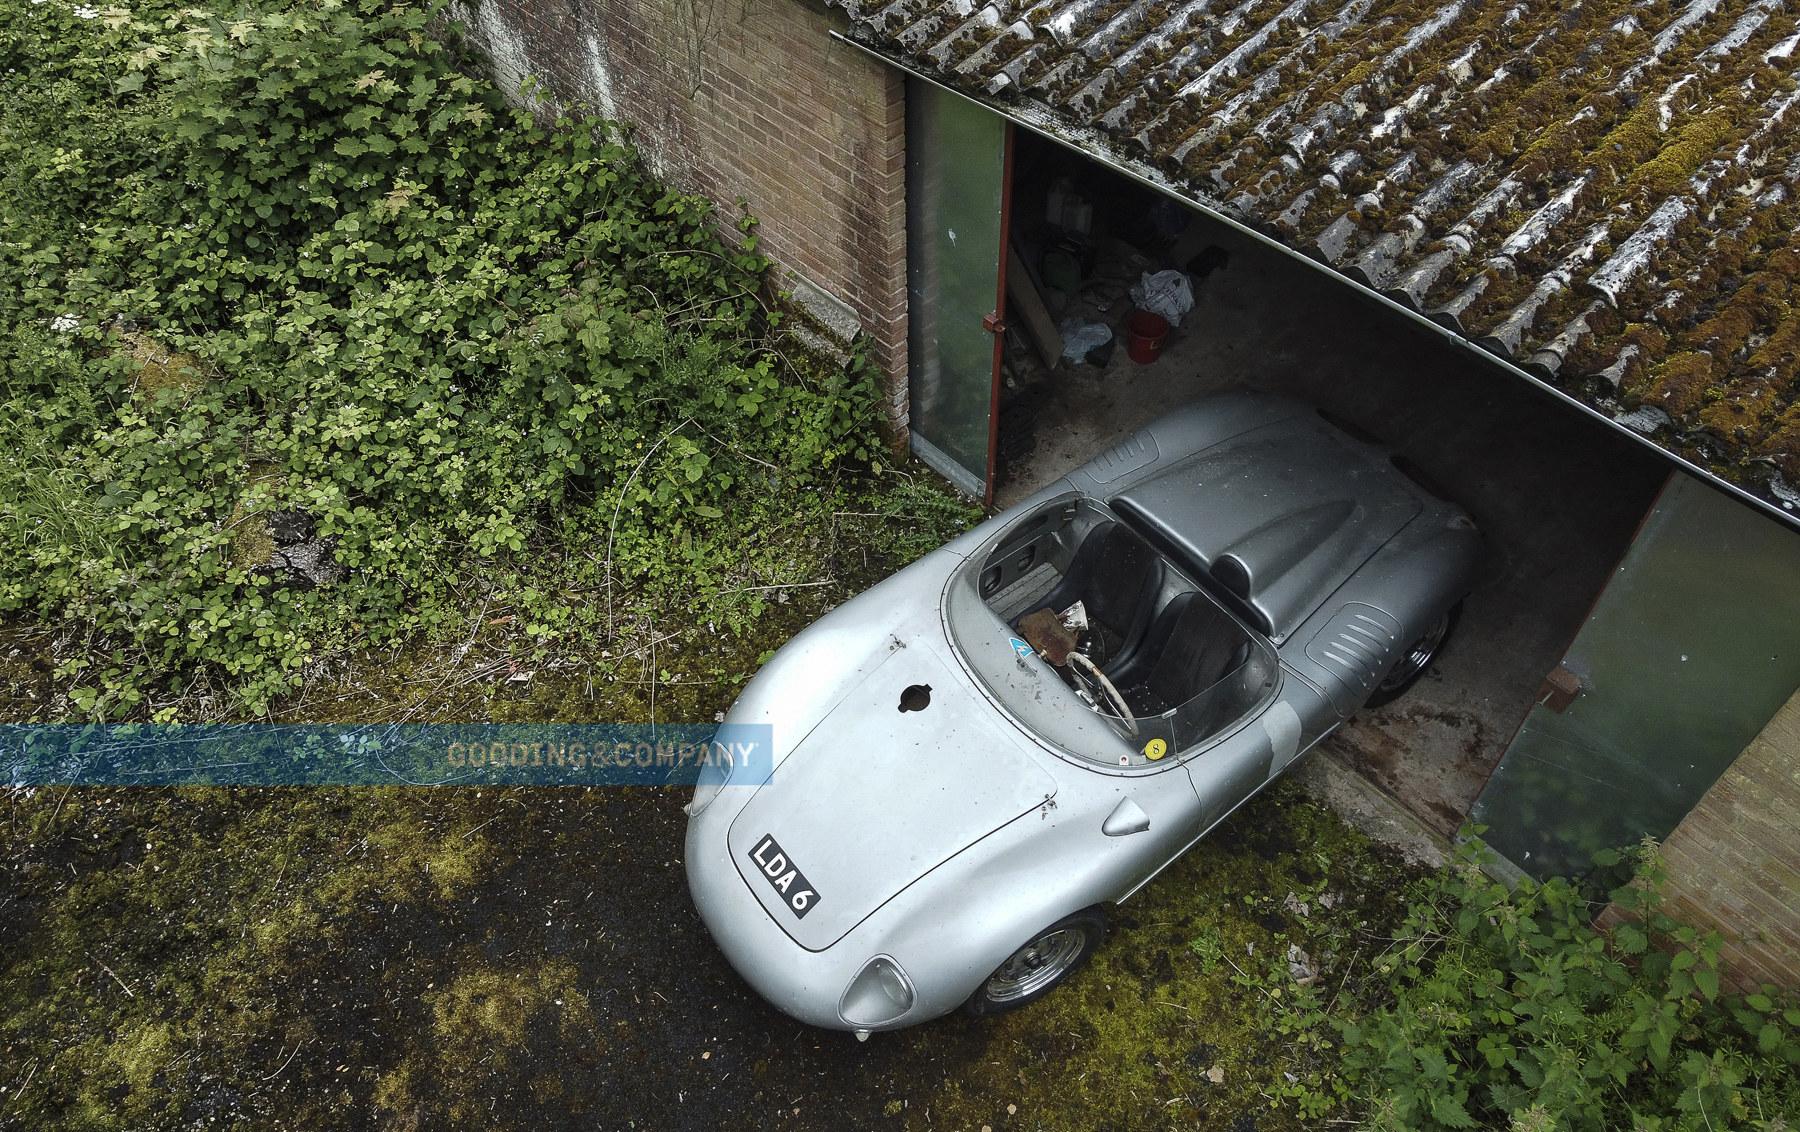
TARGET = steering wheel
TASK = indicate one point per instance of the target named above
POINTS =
(1107, 700)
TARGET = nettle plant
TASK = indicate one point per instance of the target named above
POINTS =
(291, 265)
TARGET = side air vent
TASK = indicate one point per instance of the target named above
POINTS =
(1127, 456)
(1356, 647)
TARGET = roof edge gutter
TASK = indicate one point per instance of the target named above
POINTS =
(1046, 126)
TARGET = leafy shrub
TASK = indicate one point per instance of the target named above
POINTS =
(288, 266)
(1496, 1006)
(1505, 1007)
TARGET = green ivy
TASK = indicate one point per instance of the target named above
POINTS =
(295, 260)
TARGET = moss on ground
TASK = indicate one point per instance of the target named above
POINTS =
(487, 1026)
(519, 958)
(1156, 1032)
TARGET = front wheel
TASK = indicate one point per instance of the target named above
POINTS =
(1417, 658)
(1035, 969)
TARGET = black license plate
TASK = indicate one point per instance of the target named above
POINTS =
(779, 869)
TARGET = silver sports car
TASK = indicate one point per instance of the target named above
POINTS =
(977, 758)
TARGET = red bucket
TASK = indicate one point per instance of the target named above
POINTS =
(1145, 334)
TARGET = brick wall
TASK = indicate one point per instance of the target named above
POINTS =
(1734, 862)
(751, 99)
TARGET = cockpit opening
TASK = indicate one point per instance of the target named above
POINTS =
(1124, 626)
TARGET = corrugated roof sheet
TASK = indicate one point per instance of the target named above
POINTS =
(1605, 192)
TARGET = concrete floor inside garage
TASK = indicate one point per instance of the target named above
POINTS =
(1556, 494)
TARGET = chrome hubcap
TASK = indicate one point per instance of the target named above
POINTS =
(1417, 657)
(1036, 965)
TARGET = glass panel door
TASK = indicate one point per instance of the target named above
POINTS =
(958, 155)
(1693, 645)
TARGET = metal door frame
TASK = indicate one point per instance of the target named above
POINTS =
(996, 321)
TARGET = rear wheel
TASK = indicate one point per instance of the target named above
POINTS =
(1416, 660)
(1037, 968)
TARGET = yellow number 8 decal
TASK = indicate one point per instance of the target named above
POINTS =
(1155, 749)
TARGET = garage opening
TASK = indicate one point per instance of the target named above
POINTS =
(1557, 495)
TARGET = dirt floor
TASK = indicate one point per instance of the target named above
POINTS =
(1556, 495)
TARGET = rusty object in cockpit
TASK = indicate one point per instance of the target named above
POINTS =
(1046, 633)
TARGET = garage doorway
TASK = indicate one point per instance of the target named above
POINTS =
(1557, 495)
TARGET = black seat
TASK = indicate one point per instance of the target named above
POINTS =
(1116, 576)
(1192, 645)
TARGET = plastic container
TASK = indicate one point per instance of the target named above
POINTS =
(1145, 334)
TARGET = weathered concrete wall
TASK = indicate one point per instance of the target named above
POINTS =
(744, 99)
(1734, 862)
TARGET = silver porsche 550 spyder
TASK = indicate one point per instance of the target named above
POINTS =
(977, 758)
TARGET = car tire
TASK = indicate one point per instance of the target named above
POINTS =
(1416, 661)
(1040, 965)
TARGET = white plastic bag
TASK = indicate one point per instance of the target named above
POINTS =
(1081, 337)
(1166, 293)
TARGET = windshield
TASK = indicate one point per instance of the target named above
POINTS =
(1139, 661)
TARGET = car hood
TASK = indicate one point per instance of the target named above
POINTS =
(873, 798)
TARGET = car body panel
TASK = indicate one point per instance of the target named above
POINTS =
(927, 784)
(945, 838)
(1296, 508)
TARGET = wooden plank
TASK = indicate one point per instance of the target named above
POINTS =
(1022, 292)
